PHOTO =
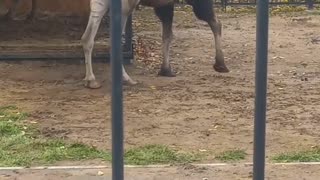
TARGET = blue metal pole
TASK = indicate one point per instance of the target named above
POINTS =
(117, 103)
(261, 89)
(310, 4)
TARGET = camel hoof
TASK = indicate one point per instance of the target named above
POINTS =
(93, 84)
(220, 68)
(167, 72)
(130, 82)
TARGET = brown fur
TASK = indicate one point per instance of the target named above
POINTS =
(156, 3)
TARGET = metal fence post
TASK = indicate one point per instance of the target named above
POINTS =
(261, 89)
(224, 4)
(310, 4)
(117, 103)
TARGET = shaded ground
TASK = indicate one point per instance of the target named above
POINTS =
(48, 34)
(174, 173)
(197, 110)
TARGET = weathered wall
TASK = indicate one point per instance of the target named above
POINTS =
(68, 7)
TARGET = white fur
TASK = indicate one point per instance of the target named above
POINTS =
(98, 8)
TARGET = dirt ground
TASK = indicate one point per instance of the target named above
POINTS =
(199, 109)
(172, 173)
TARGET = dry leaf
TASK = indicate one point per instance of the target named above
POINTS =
(100, 173)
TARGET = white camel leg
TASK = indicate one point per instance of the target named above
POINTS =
(97, 10)
(127, 9)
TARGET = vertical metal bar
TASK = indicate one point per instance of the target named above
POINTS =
(117, 106)
(261, 89)
(310, 4)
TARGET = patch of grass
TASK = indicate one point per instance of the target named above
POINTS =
(157, 154)
(302, 156)
(273, 10)
(19, 147)
(11, 114)
(287, 9)
(23, 151)
(9, 129)
(232, 155)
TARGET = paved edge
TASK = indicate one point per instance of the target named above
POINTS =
(152, 166)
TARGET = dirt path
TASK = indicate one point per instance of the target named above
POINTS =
(173, 173)
(198, 109)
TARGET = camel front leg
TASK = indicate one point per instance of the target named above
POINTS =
(127, 9)
(97, 10)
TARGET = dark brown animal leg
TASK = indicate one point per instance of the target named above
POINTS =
(204, 11)
(165, 14)
(219, 65)
(33, 10)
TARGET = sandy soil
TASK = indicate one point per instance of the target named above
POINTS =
(198, 109)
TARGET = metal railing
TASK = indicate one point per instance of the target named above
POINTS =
(225, 3)
(128, 53)
(260, 89)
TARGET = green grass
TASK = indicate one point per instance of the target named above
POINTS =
(312, 155)
(157, 154)
(11, 113)
(23, 151)
(21, 145)
(232, 155)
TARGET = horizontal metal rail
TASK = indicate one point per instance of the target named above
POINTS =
(72, 56)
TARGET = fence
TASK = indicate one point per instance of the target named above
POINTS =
(260, 99)
(65, 55)
(224, 3)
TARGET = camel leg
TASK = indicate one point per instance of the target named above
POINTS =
(127, 10)
(165, 14)
(97, 10)
(204, 11)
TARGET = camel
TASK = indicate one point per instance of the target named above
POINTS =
(164, 9)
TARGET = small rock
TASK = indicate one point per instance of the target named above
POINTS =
(153, 87)
(100, 173)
